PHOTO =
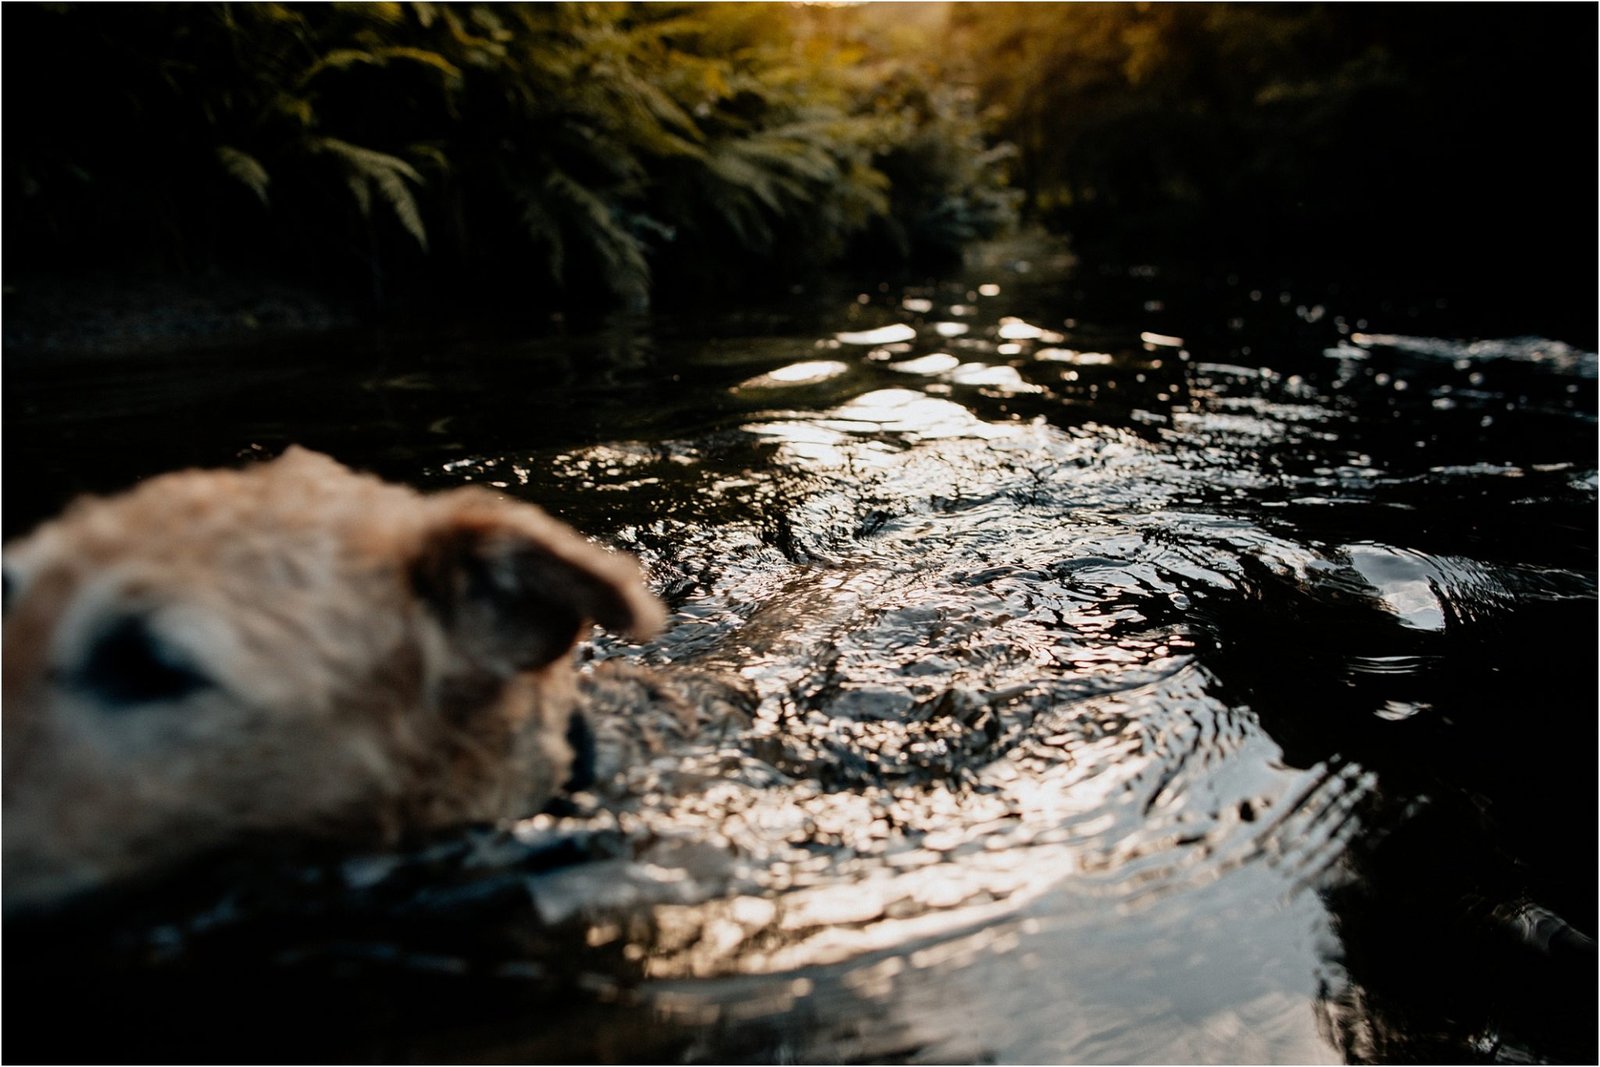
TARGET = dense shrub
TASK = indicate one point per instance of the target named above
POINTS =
(565, 152)
(607, 152)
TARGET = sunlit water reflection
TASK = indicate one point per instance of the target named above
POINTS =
(1097, 668)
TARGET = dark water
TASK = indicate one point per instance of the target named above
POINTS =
(1155, 667)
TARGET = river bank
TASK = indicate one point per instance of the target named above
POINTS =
(119, 315)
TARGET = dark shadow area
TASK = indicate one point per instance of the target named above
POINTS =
(1466, 915)
(478, 156)
(1399, 150)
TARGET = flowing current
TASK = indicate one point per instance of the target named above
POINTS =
(1137, 682)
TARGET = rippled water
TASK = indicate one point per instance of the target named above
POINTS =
(1144, 675)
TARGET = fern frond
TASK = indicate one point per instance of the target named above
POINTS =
(246, 169)
(542, 229)
(367, 170)
(345, 58)
(776, 170)
(297, 109)
(422, 57)
(627, 274)
(392, 13)
(430, 155)
(676, 126)
(425, 13)
(339, 59)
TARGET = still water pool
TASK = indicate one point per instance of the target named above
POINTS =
(1152, 668)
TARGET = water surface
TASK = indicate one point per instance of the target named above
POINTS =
(1152, 668)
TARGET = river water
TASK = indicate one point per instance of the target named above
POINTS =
(1153, 667)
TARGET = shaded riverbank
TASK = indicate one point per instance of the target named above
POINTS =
(120, 315)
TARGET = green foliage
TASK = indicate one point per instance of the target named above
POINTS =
(608, 152)
(246, 169)
(1295, 127)
(571, 151)
(367, 171)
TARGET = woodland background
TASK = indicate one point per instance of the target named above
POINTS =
(617, 154)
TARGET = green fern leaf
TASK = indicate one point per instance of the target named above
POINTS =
(345, 58)
(368, 171)
(627, 273)
(246, 169)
